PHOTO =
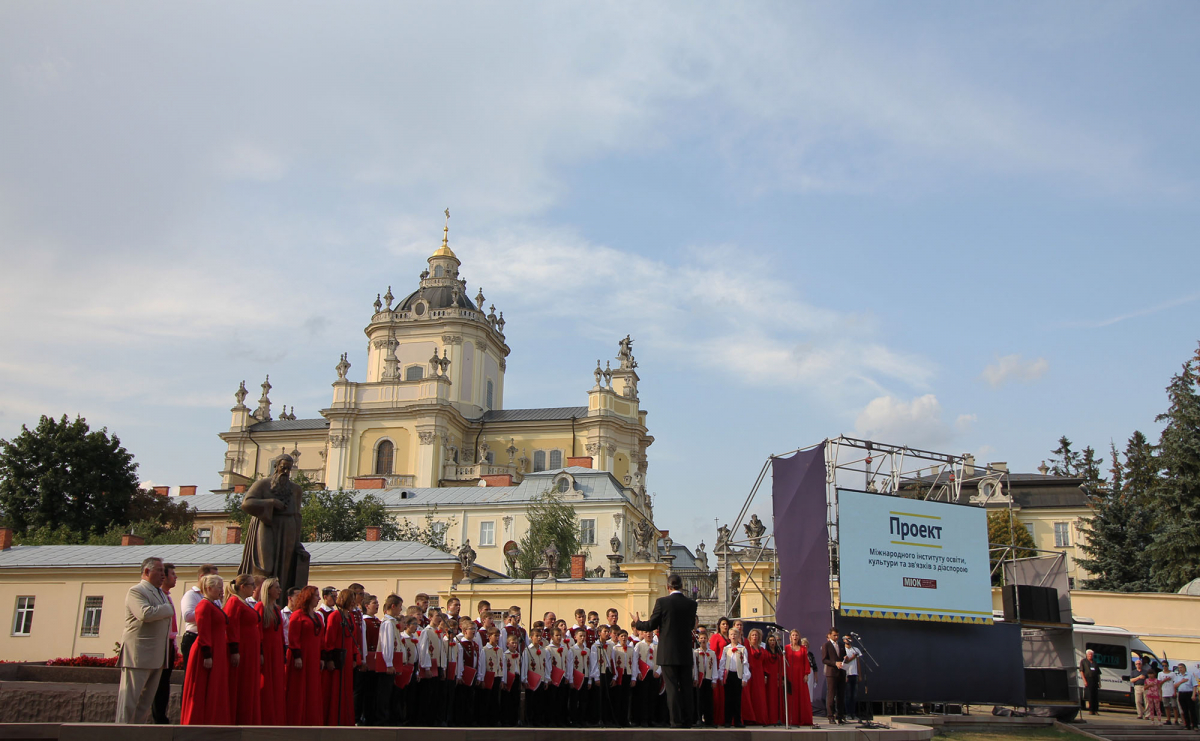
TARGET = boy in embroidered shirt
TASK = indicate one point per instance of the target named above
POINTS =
(491, 660)
(407, 653)
(624, 661)
(536, 661)
(600, 710)
(704, 672)
(510, 694)
(466, 696)
(557, 695)
(385, 713)
(645, 689)
(734, 671)
(431, 649)
(583, 660)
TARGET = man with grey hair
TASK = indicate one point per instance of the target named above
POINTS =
(144, 646)
(1089, 672)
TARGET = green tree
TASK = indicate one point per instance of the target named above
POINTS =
(432, 533)
(551, 520)
(1176, 547)
(1115, 537)
(1007, 539)
(63, 474)
(1089, 470)
(330, 516)
(1063, 460)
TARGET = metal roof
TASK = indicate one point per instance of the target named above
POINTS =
(99, 556)
(1014, 479)
(1050, 499)
(530, 415)
(593, 484)
(279, 425)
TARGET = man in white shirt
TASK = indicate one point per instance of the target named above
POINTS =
(1185, 691)
(286, 612)
(188, 604)
(850, 666)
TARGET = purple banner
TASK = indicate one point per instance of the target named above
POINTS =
(802, 541)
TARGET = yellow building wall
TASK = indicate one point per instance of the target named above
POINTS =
(1041, 522)
(59, 596)
(403, 460)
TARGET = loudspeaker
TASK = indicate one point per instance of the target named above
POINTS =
(1046, 684)
(1030, 603)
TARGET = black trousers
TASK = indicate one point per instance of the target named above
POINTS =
(1188, 707)
(835, 688)
(384, 706)
(680, 697)
(185, 647)
(162, 697)
(733, 700)
(1091, 693)
(510, 705)
(704, 703)
(850, 706)
(621, 701)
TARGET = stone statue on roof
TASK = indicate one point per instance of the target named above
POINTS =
(625, 354)
(273, 540)
(754, 531)
(466, 558)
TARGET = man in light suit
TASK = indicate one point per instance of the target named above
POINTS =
(144, 652)
(674, 617)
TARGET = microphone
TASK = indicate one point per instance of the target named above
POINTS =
(856, 635)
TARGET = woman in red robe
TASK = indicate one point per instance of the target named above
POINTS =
(338, 645)
(754, 695)
(245, 643)
(799, 704)
(206, 684)
(273, 696)
(305, 704)
(773, 669)
(718, 642)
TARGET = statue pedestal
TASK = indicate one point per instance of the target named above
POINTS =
(614, 565)
(646, 583)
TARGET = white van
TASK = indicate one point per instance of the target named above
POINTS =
(1113, 649)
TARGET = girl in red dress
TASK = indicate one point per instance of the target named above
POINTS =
(338, 645)
(273, 695)
(773, 669)
(799, 704)
(206, 684)
(754, 696)
(718, 642)
(305, 705)
(245, 649)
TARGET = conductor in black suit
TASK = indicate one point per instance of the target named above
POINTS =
(674, 617)
(832, 655)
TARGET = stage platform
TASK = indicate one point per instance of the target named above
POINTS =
(113, 732)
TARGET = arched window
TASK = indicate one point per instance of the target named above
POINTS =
(437, 271)
(414, 373)
(539, 460)
(489, 394)
(383, 457)
(555, 459)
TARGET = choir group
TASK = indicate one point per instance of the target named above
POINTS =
(335, 657)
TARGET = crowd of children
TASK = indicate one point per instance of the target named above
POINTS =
(342, 657)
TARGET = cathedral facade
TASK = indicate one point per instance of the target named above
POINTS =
(429, 413)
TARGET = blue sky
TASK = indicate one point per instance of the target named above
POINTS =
(969, 228)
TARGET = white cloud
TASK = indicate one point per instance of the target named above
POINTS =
(1014, 368)
(964, 423)
(917, 422)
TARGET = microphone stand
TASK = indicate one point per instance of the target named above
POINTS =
(869, 721)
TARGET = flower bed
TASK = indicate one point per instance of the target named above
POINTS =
(83, 661)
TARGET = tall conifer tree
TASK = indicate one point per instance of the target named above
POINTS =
(1176, 547)
(1118, 533)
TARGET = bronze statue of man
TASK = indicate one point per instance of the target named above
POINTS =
(273, 545)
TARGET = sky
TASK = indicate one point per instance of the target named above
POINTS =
(961, 227)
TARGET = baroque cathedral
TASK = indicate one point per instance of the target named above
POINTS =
(429, 411)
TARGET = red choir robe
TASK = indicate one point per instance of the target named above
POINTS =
(305, 706)
(772, 668)
(338, 684)
(718, 643)
(799, 704)
(206, 691)
(273, 695)
(245, 679)
(754, 695)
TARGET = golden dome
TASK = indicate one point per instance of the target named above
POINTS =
(444, 250)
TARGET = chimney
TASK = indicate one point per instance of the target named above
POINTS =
(497, 479)
(999, 466)
(372, 533)
(187, 491)
(968, 464)
(580, 462)
(370, 482)
(239, 488)
(233, 534)
(577, 565)
(162, 491)
(5, 538)
(131, 539)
